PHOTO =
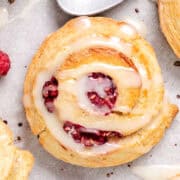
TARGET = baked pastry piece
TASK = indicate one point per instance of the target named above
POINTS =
(170, 22)
(94, 94)
(15, 164)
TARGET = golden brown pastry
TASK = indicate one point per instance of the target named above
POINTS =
(170, 22)
(94, 94)
(15, 164)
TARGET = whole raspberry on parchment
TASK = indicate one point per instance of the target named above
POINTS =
(4, 63)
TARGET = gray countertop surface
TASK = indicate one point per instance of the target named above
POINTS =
(21, 39)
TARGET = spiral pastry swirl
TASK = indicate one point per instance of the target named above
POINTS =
(94, 93)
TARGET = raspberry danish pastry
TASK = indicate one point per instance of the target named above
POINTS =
(15, 164)
(94, 94)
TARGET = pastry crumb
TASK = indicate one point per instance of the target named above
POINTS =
(20, 124)
(177, 63)
(136, 10)
(18, 138)
(11, 1)
(109, 174)
(5, 121)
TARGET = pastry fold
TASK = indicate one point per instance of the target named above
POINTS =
(94, 93)
(15, 164)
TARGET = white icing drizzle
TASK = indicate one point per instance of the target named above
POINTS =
(82, 22)
(89, 42)
(123, 109)
(127, 77)
(158, 172)
(128, 30)
(3, 16)
(146, 83)
(137, 24)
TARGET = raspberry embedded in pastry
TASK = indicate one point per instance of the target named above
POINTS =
(100, 91)
(49, 93)
(89, 137)
(94, 94)
(15, 164)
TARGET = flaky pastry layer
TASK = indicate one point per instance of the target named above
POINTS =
(15, 164)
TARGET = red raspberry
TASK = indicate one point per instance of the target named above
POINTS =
(4, 63)
(110, 92)
(50, 93)
(89, 137)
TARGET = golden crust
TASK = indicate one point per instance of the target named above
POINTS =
(170, 22)
(23, 163)
(15, 164)
(131, 147)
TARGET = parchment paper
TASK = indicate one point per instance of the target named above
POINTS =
(21, 38)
